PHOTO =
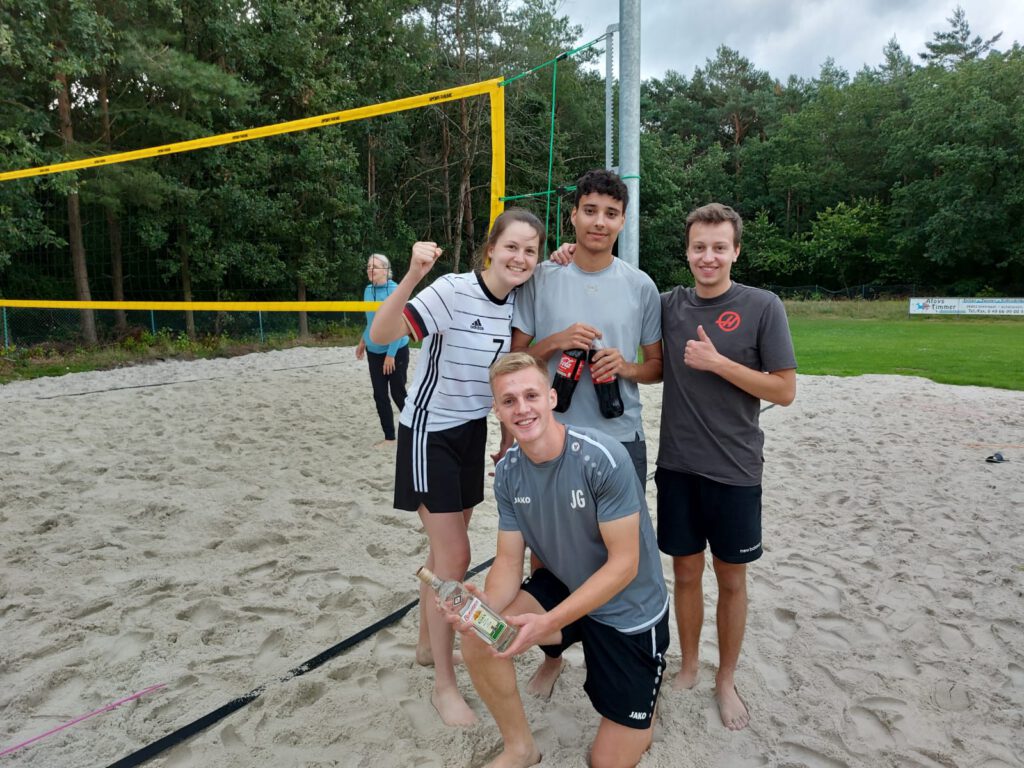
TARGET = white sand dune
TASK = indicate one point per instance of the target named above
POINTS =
(211, 525)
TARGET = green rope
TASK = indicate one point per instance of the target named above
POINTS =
(556, 190)
(551, 149)
(550, 62)
(553, 63)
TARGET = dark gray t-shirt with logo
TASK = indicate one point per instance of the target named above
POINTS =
(710, 427)
(558, 506)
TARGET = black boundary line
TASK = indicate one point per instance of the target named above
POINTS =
(169, 383)
(191, 729)
(196, 726)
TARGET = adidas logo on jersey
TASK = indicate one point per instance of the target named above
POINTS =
(477, 325)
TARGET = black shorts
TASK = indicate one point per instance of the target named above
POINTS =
(443, 470)
(637, 450)
(623, 671)
(694, 511)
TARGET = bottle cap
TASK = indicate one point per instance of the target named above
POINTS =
(425, 575)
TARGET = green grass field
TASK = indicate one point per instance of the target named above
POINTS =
(838, 338)
(849, 338)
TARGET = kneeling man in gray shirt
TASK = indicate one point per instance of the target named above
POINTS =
(571, 495)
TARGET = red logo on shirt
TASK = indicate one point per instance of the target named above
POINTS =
(728, 321)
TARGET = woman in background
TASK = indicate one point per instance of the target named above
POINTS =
(389, 363)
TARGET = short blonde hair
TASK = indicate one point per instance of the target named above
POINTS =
(514, 362)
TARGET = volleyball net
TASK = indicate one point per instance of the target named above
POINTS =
(201, 260)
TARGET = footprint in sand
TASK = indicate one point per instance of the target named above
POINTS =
(864, 727)
(179, 757)
(954, 638)
(421, 715)
(229, 737)
(206, 613)
(1015, 676)
(268, 654)
(89, 609)
(388, 648)
(800, 754)
(130, 645)
(952, 696)
(393, 684)
(784, 623)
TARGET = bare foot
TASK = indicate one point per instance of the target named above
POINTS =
(731, 707)
(686, 679)
(516, 758)
(452, 708)
(543, 680)
(425, 657)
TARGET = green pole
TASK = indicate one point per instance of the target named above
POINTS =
(152, 321)
(7, 338)
(261, 326)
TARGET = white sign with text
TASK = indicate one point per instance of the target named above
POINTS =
(949, 306)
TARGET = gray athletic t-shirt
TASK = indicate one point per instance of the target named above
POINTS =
(621, 302)
(557, 506)
(710, 427)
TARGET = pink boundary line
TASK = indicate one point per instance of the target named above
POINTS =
(95, 712)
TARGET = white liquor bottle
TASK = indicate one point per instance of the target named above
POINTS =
(486, 621)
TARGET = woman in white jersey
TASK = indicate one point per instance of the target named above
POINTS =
(464, 321)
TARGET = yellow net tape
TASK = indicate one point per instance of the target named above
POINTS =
(492, 88)
(201, 306)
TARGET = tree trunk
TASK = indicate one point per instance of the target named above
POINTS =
(465, 165)
(371, 170)
(116, 268)
(77, 244)
(303, 318)
(186, 280)
(113, 222)
(446, 189)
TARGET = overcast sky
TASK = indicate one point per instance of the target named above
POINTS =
(788, 37)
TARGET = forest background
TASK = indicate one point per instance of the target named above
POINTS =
(905, 174)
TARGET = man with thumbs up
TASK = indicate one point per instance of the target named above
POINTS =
(727, 347)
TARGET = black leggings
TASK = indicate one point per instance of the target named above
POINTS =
(381, 383)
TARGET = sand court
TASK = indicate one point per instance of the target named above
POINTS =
(210, 525)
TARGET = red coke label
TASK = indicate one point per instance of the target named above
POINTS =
(569, 367)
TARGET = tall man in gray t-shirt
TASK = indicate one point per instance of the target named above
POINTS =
(596, 302)
(727, 347)
(601, 302)
(571, 495)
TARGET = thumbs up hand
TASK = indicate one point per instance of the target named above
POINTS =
(700, 353)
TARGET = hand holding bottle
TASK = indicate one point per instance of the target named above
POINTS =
(465, 607)
(605, 365)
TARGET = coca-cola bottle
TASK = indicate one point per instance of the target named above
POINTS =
(609, 399)
(567, 374)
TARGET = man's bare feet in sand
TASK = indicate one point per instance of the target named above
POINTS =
(543, 680)
(731, 707)
(686, 679)
(516, 758)
(452, 708)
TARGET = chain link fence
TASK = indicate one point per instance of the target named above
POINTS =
(62, 328)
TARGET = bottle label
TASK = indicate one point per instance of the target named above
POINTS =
(486, 623)
(569, 367)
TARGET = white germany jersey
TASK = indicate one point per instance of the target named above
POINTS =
(464, 329)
